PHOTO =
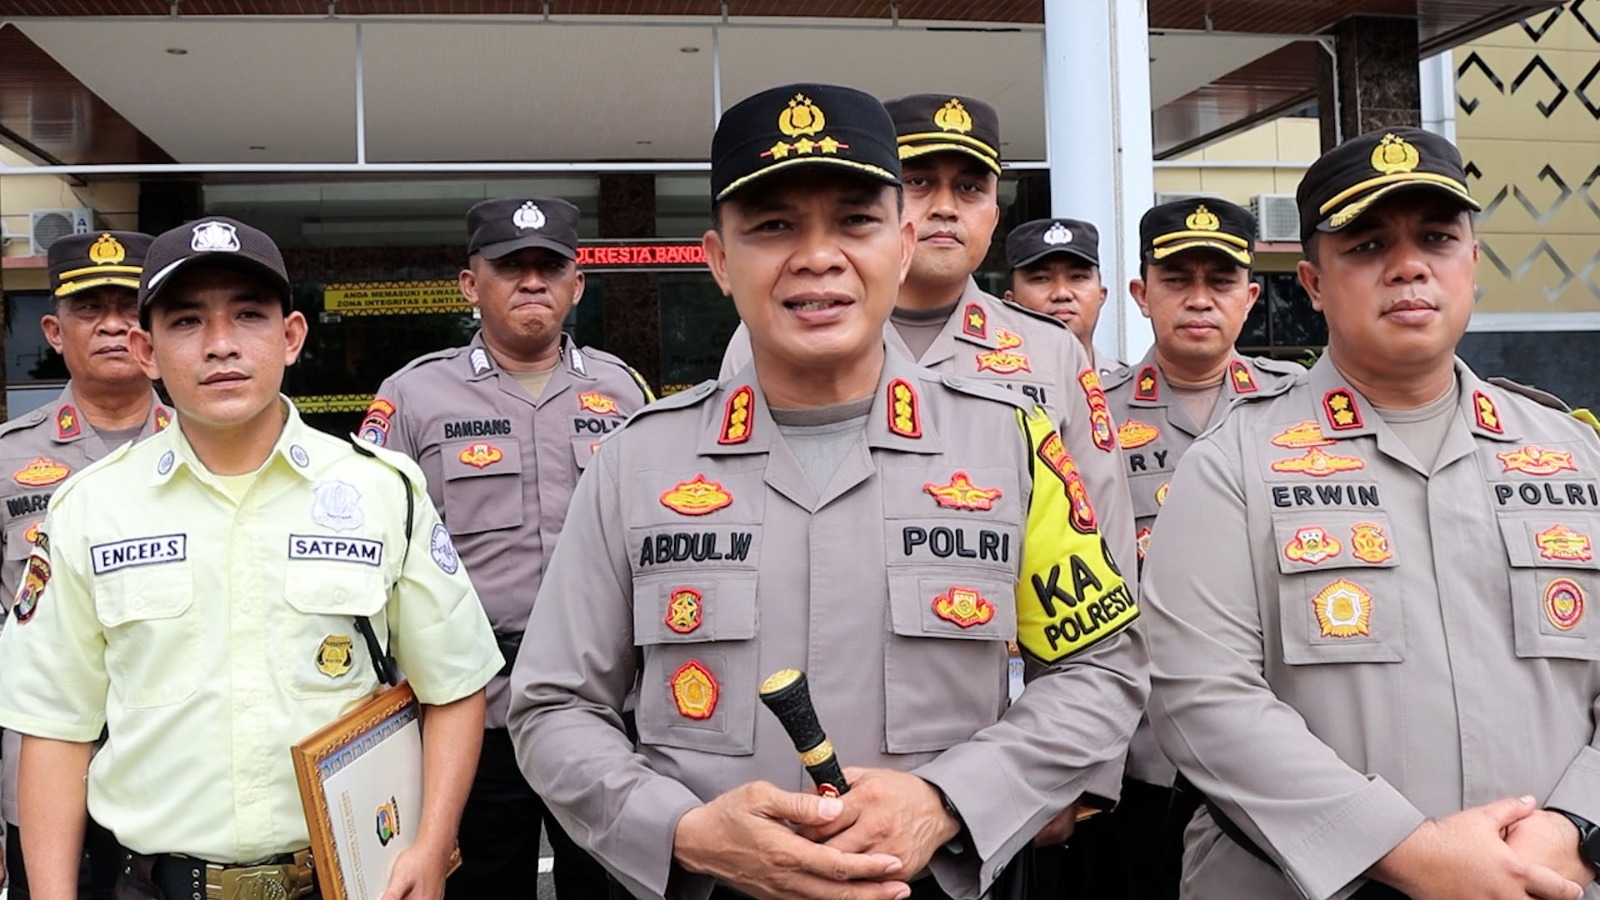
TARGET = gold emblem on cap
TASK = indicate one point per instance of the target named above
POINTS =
(1395, 154)
(107, 251)
(1202, 219)
(953, 117)
(801, 117)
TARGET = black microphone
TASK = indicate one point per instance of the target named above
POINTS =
(785, 693)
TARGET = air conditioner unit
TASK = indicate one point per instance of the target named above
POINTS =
(45, 226)
(1277, 217)
(1174, 197)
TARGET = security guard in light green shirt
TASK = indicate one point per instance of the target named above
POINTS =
(197, 595)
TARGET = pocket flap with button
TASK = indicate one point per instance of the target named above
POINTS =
(960, 605)
(953, 632)
(335, 589)
(1339, 594)
(144, 593)
(1553, 580)
(676, 610)
(583, 448)
(1149, 492)
(482, 485)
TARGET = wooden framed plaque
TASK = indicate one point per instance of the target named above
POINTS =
(360, 783)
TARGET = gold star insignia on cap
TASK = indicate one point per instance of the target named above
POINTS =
(1395, 154)
(1202, 219)
(829, 145)
(778, 151)
(801, 117)
(953, 117)
(107, 251)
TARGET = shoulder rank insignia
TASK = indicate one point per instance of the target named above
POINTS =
(696, 498)
(974, 323)
(1134, 434)
(1008, 340)
(736, 416)
(1244, 381)
(904, 417)
(1558, 542)
(41, 473)
(1343, 610)
(1535, 460)
(961, 493)
(1487, 415)
(1005, 362)
(1563, 603)
(599, 404)
(1053, 453)
(1147, 387)
(1099, 413)
(67, 425)
(683, 610)
(1369, 544)
(163, 418)
(694, 691)
(333, 657)
(964, 607)
(1301, 435)
(1340, 405)
(1312, 545)
(481, 455)
(1318, 464)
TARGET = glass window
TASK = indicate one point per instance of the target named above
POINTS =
(29, 356)
(696, 324)
(1283, 324)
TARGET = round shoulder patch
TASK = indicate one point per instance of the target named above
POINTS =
(444, 552)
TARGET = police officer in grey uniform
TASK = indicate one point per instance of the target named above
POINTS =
(1055, 270)
(949, 149)
(1369, 596)
(503, 428)
(94, 285)
(1194, 286)
(836, 509)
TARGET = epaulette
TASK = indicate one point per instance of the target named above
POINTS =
(446, 353)
(1277, 366)
(1543, 398)
(1290, 374)
(987, 390)
(1116, 377)
(1043, 317)
(681, 400)
(602, 356)
(22, 422)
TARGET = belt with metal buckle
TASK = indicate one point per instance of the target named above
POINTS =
(283, 878)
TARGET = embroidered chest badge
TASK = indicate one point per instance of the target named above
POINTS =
(1369, 544)
(1343, 610)
(1313, 545)
(684, 610)
(1318, 464)
(599, 404)
(1558, 542)
(41, 472)
(1564, 601)
(481, 455)
(961, 493)
(694, 691)
(963, 607)
(1135, 434)
(337, 505)
(1301, 435)
(1535, 460)
(697, 497)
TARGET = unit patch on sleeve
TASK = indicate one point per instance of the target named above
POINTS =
(443, 549)
(375, 425)
(697, 497)
(961, 493)
(141, 551)
(1053, 453)
(1563, 603)
(1343, 610)
(964, 607)
(1312, 545)
(684, 610)
(1099, 413)
(1558, 542)
(42, 472)
(1135, 434)
(694, 691)
(1318, 464)
(34, 579)
(1535, 460)
(1369, 544)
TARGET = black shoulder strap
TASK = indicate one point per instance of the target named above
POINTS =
(382, 663)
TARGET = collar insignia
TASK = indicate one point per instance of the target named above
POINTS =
(67, 424)
(1147, 388)
(905, 419)
(736, 416)
(1243, 381)
(1340, 406)
(1487, 415)
(974, 323)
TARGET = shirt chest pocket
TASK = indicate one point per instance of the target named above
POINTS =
(1338, 589)
(317, 652)
(153, 633)
(482, 485)
(698, 688)
(1148, 490)
(1553, 578)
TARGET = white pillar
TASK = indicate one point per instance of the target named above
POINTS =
(1438, 79)
(1100, 148)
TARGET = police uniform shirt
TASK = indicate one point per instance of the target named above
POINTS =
(1345, 642)
(1000, 343)
(698, 559)
(207, 636)
(41, 450)
(501, 465)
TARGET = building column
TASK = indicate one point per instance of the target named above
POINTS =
(1373, 79)
(631, 317)
(1097, 70)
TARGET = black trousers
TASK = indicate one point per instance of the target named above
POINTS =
(102, 860)
(500, 837)
(1134, 852)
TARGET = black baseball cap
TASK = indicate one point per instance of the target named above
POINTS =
(505, 225)
(82, 261)
(938, 123)
(1205, 223)
(213, 241)
(1032, 241)
(800, 125)
(1347, 180)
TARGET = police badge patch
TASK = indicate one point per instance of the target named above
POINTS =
(444, 552)
(34, 578)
